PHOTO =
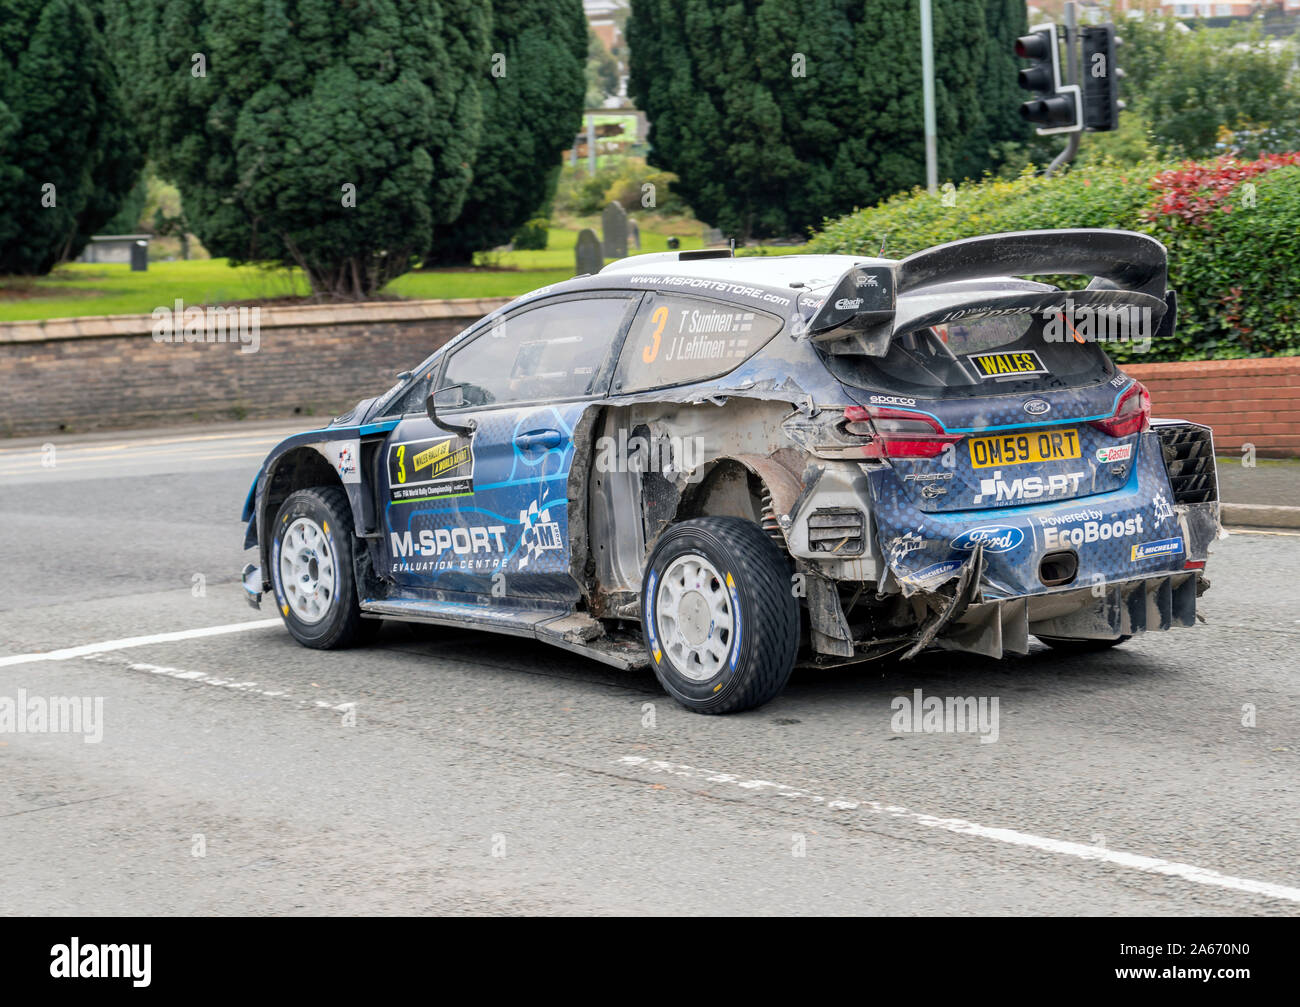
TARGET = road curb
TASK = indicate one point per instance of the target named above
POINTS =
(1261, 515)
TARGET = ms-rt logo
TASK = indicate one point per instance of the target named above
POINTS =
(75, 960)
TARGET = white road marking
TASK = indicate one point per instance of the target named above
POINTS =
(34, 465)
(203, 678)
(1261, 531)
(90, 446)
(136, 641)
(1133, 861)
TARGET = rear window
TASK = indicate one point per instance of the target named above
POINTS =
(992, 355)
(676, 339)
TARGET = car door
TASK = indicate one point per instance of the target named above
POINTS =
(483, 509)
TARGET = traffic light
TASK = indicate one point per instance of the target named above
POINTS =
(1057, 109)
(1101, 77)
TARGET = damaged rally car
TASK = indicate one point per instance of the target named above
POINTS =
(722, 467)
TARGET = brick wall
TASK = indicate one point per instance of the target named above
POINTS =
(86, 373)
(1246, 401)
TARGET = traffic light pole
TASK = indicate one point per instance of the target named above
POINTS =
(1072, 72)
(927, 96)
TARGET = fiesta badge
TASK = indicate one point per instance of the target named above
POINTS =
(996, 538)
(1037, 407)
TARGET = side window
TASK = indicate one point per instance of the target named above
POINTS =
(412, 400)
(558, 350)
(675, 340)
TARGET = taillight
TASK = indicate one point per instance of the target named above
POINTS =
(1132, 413)
(897, 433)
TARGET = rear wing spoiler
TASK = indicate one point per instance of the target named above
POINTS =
(862, 306)
(1121, 260)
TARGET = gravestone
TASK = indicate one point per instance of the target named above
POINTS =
(613, 227)
(587, 253)
(634, 234)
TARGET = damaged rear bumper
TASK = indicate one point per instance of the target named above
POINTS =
(1106, 612)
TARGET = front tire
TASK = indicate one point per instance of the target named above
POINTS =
(720, 621)
(311, 570)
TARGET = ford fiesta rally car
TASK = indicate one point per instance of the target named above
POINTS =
(722, 467)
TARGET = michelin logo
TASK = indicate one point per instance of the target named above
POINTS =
(1092, 531)
(1027, 487)
(1154, 550)
(938, 571)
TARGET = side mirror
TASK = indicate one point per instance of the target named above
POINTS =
(450, 397)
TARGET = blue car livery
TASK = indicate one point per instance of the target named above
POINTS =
(725, 467)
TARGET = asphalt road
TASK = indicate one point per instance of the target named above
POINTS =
(449, 772)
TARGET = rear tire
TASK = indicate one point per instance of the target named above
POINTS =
(720, 621)
(1082, 646)
(311, 570)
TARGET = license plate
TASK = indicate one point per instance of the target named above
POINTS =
(1018, 449)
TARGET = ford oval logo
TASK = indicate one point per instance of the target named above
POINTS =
(996, 538)
(1037, 407)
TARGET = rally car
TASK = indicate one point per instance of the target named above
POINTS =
(725, 466)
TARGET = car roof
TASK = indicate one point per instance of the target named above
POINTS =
(775, 271)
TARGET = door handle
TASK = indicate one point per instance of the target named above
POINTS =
(545, 439)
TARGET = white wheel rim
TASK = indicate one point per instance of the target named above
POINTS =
(307, 571)
(694, 617)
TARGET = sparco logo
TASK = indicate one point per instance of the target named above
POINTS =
(848, 303)
(891, 400)
(1037, 407)
(1027, 487)
(996, 538)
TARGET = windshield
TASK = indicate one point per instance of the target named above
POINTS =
(992, 355)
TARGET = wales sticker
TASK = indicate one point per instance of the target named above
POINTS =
(431, 468)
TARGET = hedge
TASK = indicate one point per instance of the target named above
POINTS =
(1232, 229)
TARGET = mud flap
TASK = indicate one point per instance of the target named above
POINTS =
(965, 591)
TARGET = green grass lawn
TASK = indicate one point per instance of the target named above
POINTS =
(98, 289)
(475, 282)
(560, 244)
(81, 288)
